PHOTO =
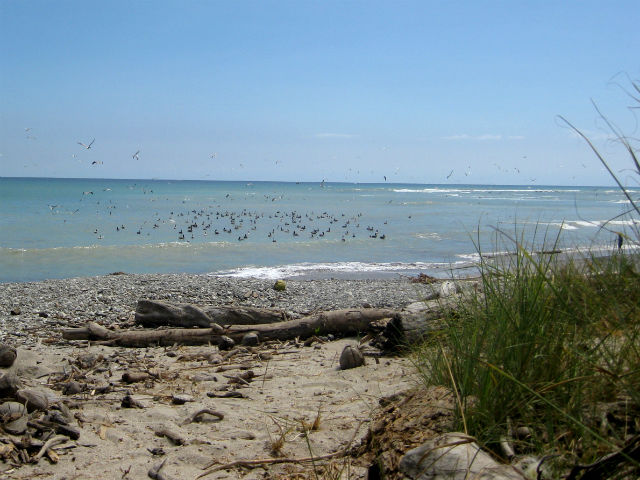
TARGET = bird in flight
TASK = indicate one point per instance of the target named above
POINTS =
(213, 155)
(450, 173)
(136, 156)
(87, 146)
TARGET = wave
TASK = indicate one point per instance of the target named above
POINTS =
(79, 248)
(601, 249)
(483, 190)
(320, 269)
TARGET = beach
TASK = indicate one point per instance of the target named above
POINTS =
(290, 387)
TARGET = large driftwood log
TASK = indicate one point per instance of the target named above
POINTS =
(152, 313)
(345, 322)
(393, 328)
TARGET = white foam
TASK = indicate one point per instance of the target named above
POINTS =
(429, 235)
(297, 269)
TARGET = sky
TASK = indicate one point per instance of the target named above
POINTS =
(424, 91)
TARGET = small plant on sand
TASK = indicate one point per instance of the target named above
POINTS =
(276, 442)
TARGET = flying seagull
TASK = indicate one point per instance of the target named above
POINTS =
(214, 155)
(450, 173)
(136, 156)
(87, 146)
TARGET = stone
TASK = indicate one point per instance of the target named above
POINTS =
(225, 343)
(7, 356)
(351, 357)
(16, 311)
(454, 456)
(9, 384)
(448, 289)
(71, 388)
(251, 339)
(181, 398)
(279, 286)
(33, 399)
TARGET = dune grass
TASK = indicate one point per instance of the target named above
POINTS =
(546, 348)
(544, 359)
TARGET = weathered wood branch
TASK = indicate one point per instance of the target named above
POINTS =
(152, 313)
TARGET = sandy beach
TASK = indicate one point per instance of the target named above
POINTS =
(279, 399)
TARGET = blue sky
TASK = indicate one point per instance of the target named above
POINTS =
(303, 91)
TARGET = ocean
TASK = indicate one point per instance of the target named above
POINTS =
(62, 228)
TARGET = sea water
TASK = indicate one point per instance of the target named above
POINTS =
(60, 228)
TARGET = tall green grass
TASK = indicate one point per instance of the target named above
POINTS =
(546, 344)
(552, 344)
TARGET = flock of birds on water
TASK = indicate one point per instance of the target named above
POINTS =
(220, 223)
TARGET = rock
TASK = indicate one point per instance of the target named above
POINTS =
(16, 311)
(448, 288)
(72, 388)
(454, 456)
(225, 343)
(279, 286)
(181, 399)
(251, 339)
(7, 356)
(33, 399)
(351, 357)
(9, 384)
(129, 402)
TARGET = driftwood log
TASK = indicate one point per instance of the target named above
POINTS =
(152, 313)
(392, 328)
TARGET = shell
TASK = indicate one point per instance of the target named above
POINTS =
(33, 399)
(12, 410)
(351, 357)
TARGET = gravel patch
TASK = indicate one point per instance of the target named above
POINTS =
(111, 299)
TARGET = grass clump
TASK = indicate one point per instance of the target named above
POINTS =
(545, 358)
(547, 354)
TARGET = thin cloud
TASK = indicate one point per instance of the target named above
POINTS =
(334, 135)
(464, 136)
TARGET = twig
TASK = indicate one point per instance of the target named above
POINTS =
(268, 461)
(49, 443)
(192, 417)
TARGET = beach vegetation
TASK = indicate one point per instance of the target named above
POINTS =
(544, 358)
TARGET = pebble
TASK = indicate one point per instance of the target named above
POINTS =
(112, 299)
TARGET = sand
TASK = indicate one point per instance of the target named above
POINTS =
(291, 385)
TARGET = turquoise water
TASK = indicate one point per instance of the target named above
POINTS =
(59, 228)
